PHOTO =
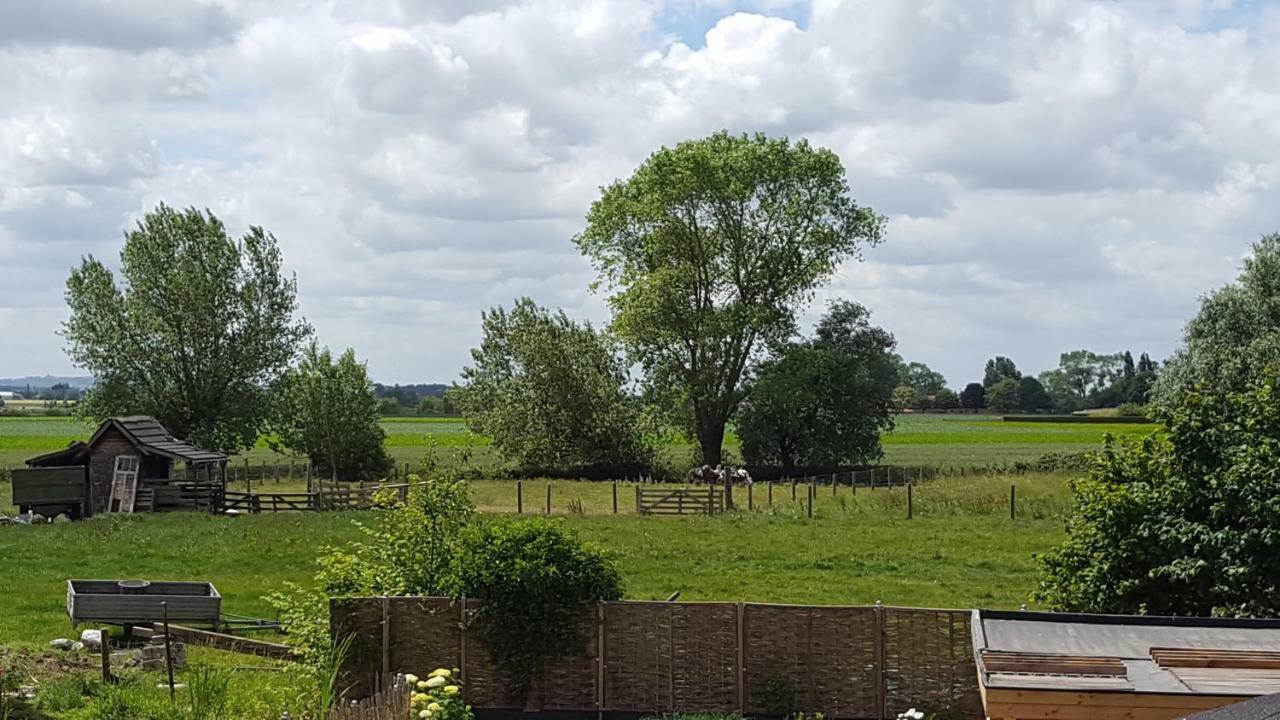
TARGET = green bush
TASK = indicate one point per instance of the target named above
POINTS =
(1187, 523)
(533, 578)
(1131, 410)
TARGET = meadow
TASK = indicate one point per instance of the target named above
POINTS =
(917, 439)
(961, 549)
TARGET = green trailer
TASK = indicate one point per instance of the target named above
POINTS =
(52, 491)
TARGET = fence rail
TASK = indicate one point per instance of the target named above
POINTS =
(679, 501)
(319, 500)
(653, 657)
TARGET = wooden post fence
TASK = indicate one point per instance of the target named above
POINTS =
(548, 498)
(1013, 501)
(910, 506)
(519, 497)
(615, 497)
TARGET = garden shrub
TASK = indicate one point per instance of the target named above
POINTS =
(533, 579)
(1187, 523)
(407, 550)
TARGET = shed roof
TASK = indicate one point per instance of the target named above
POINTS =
(1100, 653)
(76, 453)
(151, 437)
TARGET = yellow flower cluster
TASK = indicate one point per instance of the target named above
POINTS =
(437, 696)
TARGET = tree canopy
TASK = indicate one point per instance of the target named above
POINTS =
(999, 368)
(552, 394)
(973, 396)
(1234, 336)
(709, 250)
(326, 411)
(823, 402)
(1180, 523)
(199, 327)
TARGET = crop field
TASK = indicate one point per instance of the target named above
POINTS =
(939, 440)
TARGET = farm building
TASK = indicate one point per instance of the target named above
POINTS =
(127, 466)
(1107, 667)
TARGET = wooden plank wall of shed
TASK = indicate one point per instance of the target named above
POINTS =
(102, 462)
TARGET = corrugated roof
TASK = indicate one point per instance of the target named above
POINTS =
(150, 436)
(1129, 639)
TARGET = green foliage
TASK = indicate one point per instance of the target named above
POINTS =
(1131, 410)
(904, 397)
(200, 325)
(921, 378)
(439, 696)
(825, 401)
(710, 249)
(999, 368)
(1233, 337)
(326, 411)
(1032, 396)
(1187, 523)
(973, 397)
(1003, 396)
(1081, 419)
(533, 579)
(551, 393)
(946, 399)
(407, 550)
(779, 697)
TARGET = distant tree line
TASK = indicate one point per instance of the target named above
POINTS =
(1083, 380)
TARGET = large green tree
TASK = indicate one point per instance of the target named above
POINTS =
(1183, 522)
(198, 328)
(326, 411)
(920, 377)
(825, 401)
(999, 368)
(709, 250)
(552, 394)
(1234, 336)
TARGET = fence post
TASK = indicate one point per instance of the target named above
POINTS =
(615, 497)
(106, 656)
(881, 674)
(811, 493)
(835, 482)
(750, 499)
(638, 512)
(910, 507)
(548, 498)
(740, 676)
(1013, 501)
(793, 489)
(770, 493)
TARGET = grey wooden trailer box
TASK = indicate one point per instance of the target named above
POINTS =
(117, 602)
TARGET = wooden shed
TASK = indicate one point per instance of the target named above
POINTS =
(1117, 667)
(127, 466)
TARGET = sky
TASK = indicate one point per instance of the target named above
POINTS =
(1056, 174)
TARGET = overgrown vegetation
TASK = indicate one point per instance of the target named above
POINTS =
(1183, 523)
(823, 402)
(326, 412)
(552, 395)
(532, 578)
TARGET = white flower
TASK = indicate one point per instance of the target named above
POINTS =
(411, 680)
(436, 681)
(424, 715)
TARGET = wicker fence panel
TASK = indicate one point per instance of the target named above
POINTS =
(488, 685)
(847, 662)
(929, 662)
(825, 656)
(422, 634)
(361, 620)
(637, 657)
(570, 682)
(704, 646)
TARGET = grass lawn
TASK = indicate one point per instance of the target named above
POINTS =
(961, 550)
(924, 439)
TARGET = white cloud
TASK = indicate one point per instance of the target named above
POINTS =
(1057, 174)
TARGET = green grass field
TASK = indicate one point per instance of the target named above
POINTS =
(960, 550)
(937, 440)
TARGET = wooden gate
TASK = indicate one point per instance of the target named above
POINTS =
(679, 501)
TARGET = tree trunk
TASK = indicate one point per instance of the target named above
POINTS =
(711, 440)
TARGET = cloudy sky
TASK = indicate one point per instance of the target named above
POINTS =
(1057, 174)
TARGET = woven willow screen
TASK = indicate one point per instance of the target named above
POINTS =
(847, 662)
